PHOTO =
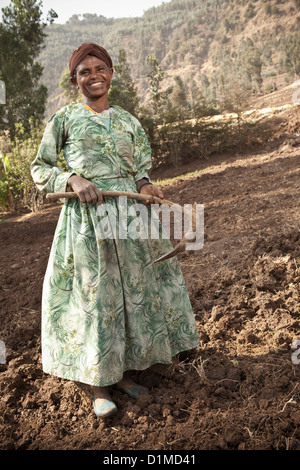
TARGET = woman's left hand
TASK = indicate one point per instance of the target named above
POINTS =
(151, 190)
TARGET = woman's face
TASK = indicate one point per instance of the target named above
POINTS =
(93, 77)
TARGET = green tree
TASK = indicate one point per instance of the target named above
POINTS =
(250, 64)
(176, 106)
(71, 93)
(21, 40)
(156, 76)
(123, 91)
(200, 105)
(291, 53)
(179, 96)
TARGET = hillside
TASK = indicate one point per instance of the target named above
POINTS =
(210, 41)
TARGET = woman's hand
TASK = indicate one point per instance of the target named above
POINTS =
(151, 190)
(87, 192)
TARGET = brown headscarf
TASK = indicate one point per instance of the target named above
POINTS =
(88, 48)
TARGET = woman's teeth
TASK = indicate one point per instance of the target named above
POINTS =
(96, 84)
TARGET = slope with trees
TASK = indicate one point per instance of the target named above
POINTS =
(212, 42)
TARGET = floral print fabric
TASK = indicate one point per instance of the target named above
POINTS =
(107, 307)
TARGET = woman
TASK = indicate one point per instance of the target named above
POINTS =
(106, 307)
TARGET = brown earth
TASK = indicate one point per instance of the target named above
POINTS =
(240, 389)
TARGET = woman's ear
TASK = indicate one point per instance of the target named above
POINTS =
(74, 81)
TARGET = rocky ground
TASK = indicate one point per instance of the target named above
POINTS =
(240, 389)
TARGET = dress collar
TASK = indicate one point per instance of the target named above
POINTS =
(103, 118)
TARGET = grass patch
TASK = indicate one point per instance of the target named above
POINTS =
(186, 176)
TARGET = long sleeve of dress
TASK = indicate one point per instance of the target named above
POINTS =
(44, 170)
(142, 153)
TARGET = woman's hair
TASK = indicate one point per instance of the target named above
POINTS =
(88, 49)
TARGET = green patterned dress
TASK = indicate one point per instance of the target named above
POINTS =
(106, 307)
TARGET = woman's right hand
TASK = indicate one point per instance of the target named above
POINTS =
(87, 192)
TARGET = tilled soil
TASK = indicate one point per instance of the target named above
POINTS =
(240, 389)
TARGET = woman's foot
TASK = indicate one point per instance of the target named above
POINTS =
(102, 402)
(134, 390)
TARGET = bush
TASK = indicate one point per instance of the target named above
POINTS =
(181, 142)
(17, 188)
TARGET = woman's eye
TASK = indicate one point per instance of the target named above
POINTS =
(86, 72)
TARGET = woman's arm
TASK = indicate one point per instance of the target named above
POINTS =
(44, 170)
(143, 163)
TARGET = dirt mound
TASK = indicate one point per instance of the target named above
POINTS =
(239, 390)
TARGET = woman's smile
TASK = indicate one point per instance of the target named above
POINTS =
(96, 84)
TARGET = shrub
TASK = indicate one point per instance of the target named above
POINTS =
(17, 188)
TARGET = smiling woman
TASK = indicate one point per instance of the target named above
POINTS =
(93, 78)
(107, 307)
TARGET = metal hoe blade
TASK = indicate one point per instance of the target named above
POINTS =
(181, 245)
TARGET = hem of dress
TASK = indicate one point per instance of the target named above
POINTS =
(82, 381)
